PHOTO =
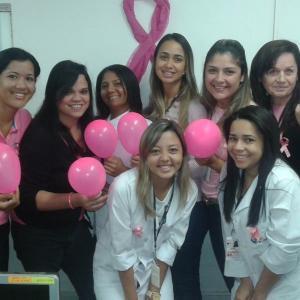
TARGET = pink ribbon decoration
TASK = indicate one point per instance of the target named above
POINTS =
(138, 231)
(284, 142)
(140, 58)
(254, 234)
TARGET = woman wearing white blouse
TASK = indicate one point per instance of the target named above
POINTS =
(133, 255)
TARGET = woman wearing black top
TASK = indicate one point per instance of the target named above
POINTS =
(275, 85)
(52, 233)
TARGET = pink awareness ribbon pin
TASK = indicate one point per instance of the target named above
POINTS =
(284, 142)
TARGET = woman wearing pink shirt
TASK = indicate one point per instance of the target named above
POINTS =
(18, 73)
(225, 89)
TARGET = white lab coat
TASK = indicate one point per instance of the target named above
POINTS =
(102, 214)
(278, 243)
(119, 247)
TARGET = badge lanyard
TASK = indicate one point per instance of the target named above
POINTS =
(163, 218)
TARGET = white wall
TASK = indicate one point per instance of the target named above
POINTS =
(5, 26)
(96, 33)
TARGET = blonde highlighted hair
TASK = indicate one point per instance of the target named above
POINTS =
(144, 184)
(188, 89)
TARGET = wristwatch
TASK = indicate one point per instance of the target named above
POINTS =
(153, 295)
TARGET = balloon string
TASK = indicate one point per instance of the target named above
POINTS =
(140, 58)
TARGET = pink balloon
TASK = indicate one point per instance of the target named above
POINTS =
(87, 176)
(130, 130)
(203, 138)
(101, 138)
(10, 169)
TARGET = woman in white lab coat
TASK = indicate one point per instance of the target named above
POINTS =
(135, 249)
(260, 210)
(117, 93)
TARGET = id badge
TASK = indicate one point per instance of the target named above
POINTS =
(155, 275)
(156, 297)
(232, 249)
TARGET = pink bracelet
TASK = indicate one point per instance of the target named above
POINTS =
(69, 201)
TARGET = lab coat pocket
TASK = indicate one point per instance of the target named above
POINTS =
(257, 235)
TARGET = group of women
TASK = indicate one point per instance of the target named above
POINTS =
(152, 223)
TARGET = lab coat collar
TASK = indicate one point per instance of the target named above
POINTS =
(246, 200)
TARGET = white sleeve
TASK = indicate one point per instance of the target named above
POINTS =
(168, 249)
(123, 253)
(283, 231)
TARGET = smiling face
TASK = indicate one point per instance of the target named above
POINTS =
(281, 79)
(170, 63)
(245, 146)
(73, 105)
(17, 84)
(113, 94)
(165, 158)
(222, 78)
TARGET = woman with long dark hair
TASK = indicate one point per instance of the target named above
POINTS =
(225, 89)
(52, 232)
(259, 203)
(275, 85)
(117, 93)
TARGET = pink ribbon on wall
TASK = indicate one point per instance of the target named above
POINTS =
(140, 58)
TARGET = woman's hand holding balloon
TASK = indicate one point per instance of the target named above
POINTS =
(87, 176)
(89, 203)
(203, 138)
(203, 161)
(114, 166)
(130, 130)
(213, 162)
(10, 170)
(9, 201)
(135, 161)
